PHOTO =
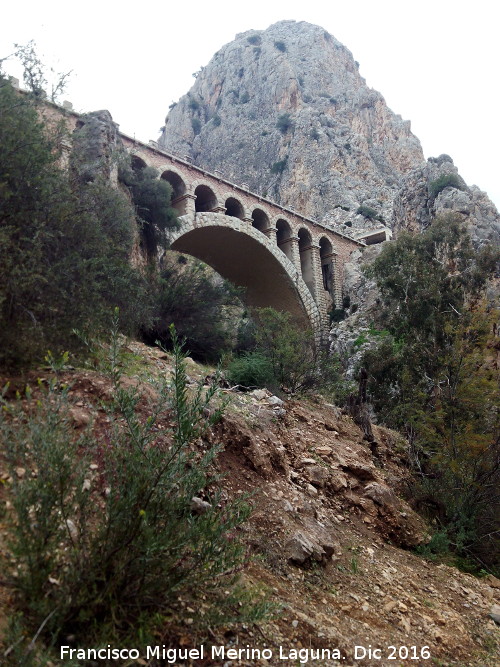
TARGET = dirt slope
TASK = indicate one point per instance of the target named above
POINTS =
(331, 537)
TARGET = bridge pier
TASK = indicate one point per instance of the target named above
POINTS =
(270, 232)
(291, 249)
(185, 204)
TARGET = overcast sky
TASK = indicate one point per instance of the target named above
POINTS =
(435, 62)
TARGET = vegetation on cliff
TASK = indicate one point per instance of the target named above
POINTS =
(64, 246)
(434, 378)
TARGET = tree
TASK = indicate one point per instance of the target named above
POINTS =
(434, 379)
(35, 76)
(427, 282)
(204, 308)
(64, 247)
(152, 198)
(456, 443)
(285, 356)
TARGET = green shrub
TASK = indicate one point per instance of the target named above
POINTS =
(297, 363)
(251, 370)
(284, 123)
(64, 244)
(204, 308)
(254, 40)
(193, 104)
(280, 45)
(244, 98)
(216, 120)
(196, 125)
(152, 198)
(369, 213)
(360, 340)
(438, 545)
(445, 181)
(337, 315)
(279, 167)
(104, 537)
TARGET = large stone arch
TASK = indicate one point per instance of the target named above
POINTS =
(246, 257)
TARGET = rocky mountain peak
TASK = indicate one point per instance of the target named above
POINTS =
(286, 112)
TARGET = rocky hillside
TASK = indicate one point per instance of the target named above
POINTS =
(330, 533)
(286, 111)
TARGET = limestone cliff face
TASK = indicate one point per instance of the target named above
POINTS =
(286, 112)
(95, 144)
(417, 203)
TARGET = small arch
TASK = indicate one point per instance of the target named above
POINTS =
(205, 199)
(234, 208)
(178, 190)
(260, 220)
(284, 237)
(177, 183)
(327, 263)
(325, 247)
(137, 163)
(305, 239)
(306, 258)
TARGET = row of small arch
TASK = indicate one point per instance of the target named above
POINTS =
(206, 201)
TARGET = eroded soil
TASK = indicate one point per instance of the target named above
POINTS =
(331, 534)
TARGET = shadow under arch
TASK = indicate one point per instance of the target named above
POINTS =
(242, 254)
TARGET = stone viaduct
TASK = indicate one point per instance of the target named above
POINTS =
(280, 257)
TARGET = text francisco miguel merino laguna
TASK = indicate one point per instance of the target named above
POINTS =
(172, 656)
(175, 655)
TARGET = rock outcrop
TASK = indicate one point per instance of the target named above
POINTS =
(95, 143)
(286, 111)
(436, 188)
